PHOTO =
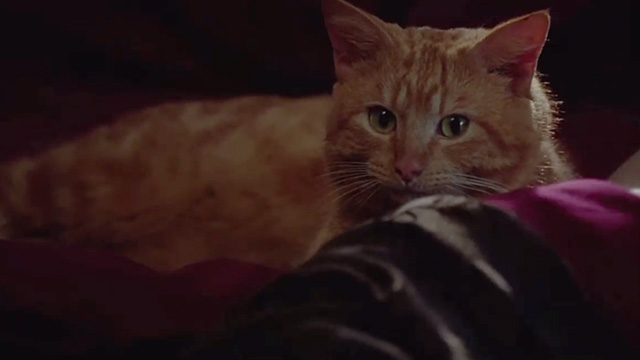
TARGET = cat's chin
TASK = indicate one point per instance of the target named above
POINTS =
(405, 194)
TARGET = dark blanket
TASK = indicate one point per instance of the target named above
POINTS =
(442, 277)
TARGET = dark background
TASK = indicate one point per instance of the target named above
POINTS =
(68, 65)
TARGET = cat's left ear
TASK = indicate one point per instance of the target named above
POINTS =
(513, 48)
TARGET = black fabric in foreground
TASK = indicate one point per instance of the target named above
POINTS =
(442, 278)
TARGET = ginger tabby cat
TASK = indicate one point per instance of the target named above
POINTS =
(269, 179)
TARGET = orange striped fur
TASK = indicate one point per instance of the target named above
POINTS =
(269, 179)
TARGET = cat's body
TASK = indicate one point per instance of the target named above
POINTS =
(181, 182)
(268, 179)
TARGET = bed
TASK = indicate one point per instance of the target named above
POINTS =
(70, 302)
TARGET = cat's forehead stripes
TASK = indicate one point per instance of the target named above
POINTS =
(417, 83)
(418, 73)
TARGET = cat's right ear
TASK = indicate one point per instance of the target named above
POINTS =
(513, 48)
(356, 36)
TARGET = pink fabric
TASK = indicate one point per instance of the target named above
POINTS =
(594, 226)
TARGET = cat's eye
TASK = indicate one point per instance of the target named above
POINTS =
(452, 126)
(382, 119)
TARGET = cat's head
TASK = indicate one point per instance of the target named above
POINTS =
(422, 110)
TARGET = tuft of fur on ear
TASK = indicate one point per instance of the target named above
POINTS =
(355, 35)
(513, 48)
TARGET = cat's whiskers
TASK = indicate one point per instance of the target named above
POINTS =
(351, 189)
(340, 192)
(463, 183)
(455, 190)
(477, 184)
(490, 184)
(348, 185)
(374, 189)
(345, 166)
(344, 172)
(349, 162)
(344, 169)
(349, 178)
(473, 188)
(359, 191)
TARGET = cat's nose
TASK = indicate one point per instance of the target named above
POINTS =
(408, 171)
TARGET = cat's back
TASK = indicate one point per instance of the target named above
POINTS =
(176, 178)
